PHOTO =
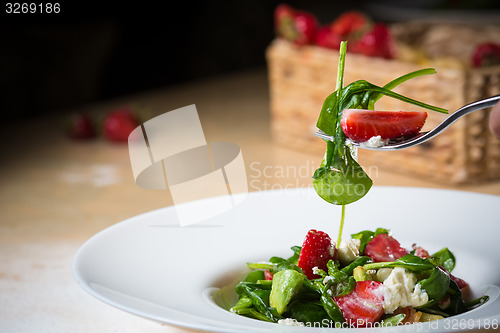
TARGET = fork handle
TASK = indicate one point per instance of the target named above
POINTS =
(466, 109)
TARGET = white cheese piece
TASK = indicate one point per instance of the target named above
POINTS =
(290, 322)
(348, 250)
(374, 142)
(399, 290)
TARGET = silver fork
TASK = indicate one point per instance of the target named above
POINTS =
(424, 136)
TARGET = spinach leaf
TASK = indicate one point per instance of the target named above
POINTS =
(296, 253)
(349, 269)
(410, 262)
(331, 308)
(310, 313)
(446, 259)
(339, 282)
(457, 304)
(259, 295)
(254, 276)
(243, 303)
(340, 180)
(436, 285)
(476, 302)
(252, 313)
(334, 272)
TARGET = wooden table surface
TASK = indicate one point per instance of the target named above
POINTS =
(56, 193)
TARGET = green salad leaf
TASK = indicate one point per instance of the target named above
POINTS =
(436, 285)
(446, 259)
(340, 180)
(410, 262)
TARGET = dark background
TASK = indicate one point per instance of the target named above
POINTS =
(89, 52)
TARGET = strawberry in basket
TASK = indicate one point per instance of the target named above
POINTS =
(296, 26)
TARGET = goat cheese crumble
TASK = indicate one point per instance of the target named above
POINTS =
(374, 142)
(400, 290)
(348, 250)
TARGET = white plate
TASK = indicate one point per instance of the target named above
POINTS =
(150, 267)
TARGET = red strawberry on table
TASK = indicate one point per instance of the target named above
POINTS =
(317, 250)
(377, 42)
(486, 54)
(81, 127)
(384, 248)
(296, 26)
(364, 305)
(119, 124)
(360, 125)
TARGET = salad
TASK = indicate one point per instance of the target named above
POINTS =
(369, 280)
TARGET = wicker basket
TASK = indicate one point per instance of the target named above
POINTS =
(301, 77)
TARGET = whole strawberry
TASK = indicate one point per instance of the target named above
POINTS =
(326, 37)
(80, 126)
(377, 42)
(351, 25)
(486, 54)
(119, 124)
(317, 250)
(296, 26)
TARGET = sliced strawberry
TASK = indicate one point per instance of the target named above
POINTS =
(317, 250)
(364, 305)
(460, 283)
(420, 251)
(486, 54)
(360, 125)
(384, 248)
(378, 42)
(268, 275)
